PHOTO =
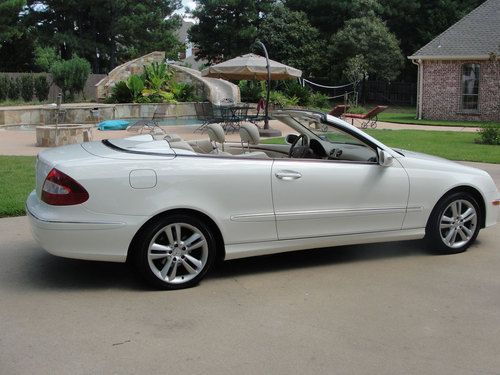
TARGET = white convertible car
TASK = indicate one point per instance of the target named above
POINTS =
(173, 207)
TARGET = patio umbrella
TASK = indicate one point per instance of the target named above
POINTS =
(254, 67)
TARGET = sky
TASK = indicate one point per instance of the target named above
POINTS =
(187, 3)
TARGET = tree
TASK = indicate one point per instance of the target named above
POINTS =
(104, 32)
(329, 16)
(70, 75)
(9, 20)
(370, 38)
(227, 28)
(290, 39)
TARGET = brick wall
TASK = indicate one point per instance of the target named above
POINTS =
(441, 96)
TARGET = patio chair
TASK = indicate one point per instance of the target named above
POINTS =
(339, 110)
(368, 119)
(211, 114)
(150, 126)
(254, 119)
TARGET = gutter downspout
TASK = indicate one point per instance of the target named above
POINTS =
(420, 82)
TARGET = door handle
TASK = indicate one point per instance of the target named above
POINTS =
(288, 175)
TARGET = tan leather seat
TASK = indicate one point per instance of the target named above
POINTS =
(249, 134)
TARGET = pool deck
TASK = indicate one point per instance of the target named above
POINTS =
(23, 142)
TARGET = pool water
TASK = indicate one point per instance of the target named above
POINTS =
(165, 122)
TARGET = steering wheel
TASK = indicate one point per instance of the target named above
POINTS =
(300, 137)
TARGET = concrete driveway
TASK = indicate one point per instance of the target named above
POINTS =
(371, 309)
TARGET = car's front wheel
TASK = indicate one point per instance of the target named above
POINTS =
(454, 224)
(174, 252)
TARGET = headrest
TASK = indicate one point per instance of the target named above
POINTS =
(249, 133)
(216, 133)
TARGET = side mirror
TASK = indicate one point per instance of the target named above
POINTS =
(291, 138)
(384, 158)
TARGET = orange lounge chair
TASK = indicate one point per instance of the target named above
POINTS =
(338, 110)
(369, 119)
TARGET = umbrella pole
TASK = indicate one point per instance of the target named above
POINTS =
(267, 131)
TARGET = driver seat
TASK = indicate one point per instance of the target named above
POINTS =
(249, 134)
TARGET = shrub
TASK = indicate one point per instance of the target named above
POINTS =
(45, 58)
(27, 86)
(184, 92)
(4, 88)
(250, 91)
(120, 93)
(489, 135)
(319, 100)
(302, 93)
(135, 84)
(42, 88)
(71, 75)
(281, 100)
(14, 89)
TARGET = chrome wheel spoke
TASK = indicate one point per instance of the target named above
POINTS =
(445, 225)
(454, 209)
(467, 231)
(197, 263)
(188, 267)
(174, 272)
(170, 235)
(469, 215)
(166, 268)
(197, 245)
(194, 237)
(462, 234)
(178, 232)
(158, 251)
(449, 236)
(446, 219)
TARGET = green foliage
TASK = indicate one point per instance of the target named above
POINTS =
(14, 90)
(279, 99)
(368, 37)
(489, 135)
(184, 92)
(120, 93)
(356, 69)
(135, 85)
(45, 58)
(227, 27)
(10, 28)
(27, 87)
(4, 88)
(101, 31)
(250, 91)
(292, 40)
(295, 89)
(42, 88)
(70, 75)
(319, 100)
(157, 78)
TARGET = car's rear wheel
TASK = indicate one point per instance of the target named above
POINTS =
(454, 224)
(174, 252)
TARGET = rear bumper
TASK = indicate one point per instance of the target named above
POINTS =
(75, 232)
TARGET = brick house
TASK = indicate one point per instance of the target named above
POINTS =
(459, 70)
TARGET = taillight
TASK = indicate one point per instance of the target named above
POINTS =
(61, 190)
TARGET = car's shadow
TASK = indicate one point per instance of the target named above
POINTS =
(318, 257)
(44, 271)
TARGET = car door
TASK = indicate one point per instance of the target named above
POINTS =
(327, 197)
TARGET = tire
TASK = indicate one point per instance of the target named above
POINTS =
(168, 262)
(454, 224)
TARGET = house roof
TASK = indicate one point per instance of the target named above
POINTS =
(473, 37)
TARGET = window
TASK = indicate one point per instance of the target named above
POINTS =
(470, 87)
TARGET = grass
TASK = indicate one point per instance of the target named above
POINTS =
(17, 180)
(409, 118)
(449, 145)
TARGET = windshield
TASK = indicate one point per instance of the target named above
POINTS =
(316, 123)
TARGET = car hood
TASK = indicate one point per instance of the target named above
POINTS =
(414, 159)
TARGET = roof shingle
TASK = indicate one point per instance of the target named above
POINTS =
(475, 35)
